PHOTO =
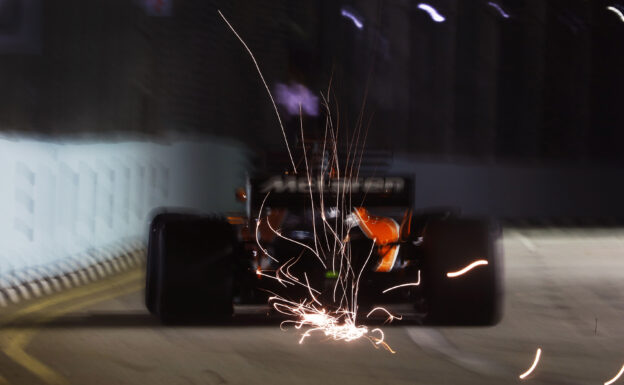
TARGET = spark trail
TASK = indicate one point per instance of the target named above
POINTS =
(253, 58)
(338, 319)
(532, 368)
(454, 274)
(417, 283)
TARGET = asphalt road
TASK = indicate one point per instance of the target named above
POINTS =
(564, 294)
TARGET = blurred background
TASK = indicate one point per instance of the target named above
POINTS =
(109, 108)
(509, 109)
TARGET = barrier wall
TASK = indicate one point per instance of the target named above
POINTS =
(64, 204)
(517, 192)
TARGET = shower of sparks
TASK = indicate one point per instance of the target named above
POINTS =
(466, 269)
(532, 368)
(332, 225)
(617, 12)
(611, 381)
(417, 283)
(339, 324)
(279, 118)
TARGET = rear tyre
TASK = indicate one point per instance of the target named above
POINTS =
(474, 298)
(151, 270)
(189, 268)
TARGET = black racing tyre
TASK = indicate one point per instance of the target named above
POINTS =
(189, 268)
(151, 269)
(471, 299)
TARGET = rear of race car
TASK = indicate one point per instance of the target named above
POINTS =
(329, 239)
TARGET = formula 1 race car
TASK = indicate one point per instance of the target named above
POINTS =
(445, 266)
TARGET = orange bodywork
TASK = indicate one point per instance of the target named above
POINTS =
(385, 232)
(236, 220)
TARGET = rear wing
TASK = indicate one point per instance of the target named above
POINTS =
(293, 191)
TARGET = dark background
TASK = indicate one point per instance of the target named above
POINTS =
(541, 89)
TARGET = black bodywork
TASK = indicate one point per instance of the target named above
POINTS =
(200, 266)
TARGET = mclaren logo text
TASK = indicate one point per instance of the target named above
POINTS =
(294, 184)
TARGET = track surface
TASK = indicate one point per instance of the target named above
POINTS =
(565, 294)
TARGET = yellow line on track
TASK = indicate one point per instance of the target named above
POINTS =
(18, 342)
(34, 366)
(71, 295)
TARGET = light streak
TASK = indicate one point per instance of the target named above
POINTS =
(404, 285)
(380, 341)
(611, 381)
(279, 118)
(288, 274)
(537, 358)
(310, 289)
(466, 269)
(391, 317)
(339, 324)
(435, 15)
(351, 16)
(259, 273)
(383, 336)
(499, 9)
(305, 157)
(295, 95)
(290, 279)
(337, 321)
(279, 234)
(265, 251)
(617, 12)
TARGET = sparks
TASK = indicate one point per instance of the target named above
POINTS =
(338, 320)
(337, 325)
(379, 340)
(390, 318)
(253, 58)
(467, 268)
(611, 381)
(417, 283)
(537, 358)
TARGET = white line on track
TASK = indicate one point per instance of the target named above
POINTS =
(526, 242)
(433, 341)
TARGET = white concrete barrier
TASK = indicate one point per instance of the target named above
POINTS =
(61, 204)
